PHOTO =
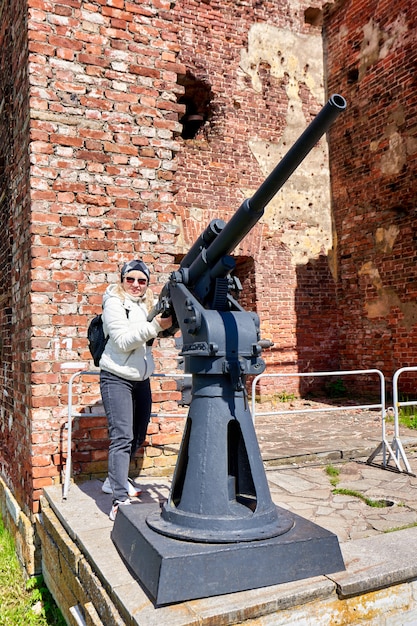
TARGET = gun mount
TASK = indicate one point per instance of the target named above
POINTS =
(219, 494)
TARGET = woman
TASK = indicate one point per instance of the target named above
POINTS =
(125, 367)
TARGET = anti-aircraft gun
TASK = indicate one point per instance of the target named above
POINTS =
(219, 493)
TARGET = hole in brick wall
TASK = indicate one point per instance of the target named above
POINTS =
(353, 75)
(313, 16)
(245, 271)
(197, 100)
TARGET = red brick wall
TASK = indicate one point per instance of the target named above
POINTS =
(103, 118)
(15, 298)
(372, 60)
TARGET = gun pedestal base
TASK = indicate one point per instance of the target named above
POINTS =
(219, 490)
(172, 570)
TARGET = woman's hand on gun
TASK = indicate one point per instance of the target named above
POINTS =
(164, 322)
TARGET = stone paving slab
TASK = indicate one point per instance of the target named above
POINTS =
(307, 490)
(128, 593)
(373, 559)
(377, 562)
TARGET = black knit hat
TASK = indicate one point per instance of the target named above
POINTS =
(135, 265)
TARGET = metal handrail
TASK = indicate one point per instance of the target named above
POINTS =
(389, 451)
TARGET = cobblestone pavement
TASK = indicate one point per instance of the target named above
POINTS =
(305, 452)
(322, 429)
(308, 492)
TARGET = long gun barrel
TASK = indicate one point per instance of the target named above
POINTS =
(252, 209)
(205, 267)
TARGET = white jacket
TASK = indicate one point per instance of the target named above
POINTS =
(125, 323)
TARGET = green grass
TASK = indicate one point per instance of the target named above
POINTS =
(284, 396)
(336, 388)
(407, 417)
(393, 530)
(377, 504)
(333, 473)
(23, 603)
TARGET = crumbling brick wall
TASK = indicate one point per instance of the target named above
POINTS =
(254, 75)
(372, 57)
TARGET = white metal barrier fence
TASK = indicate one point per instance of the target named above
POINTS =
(397, 445)
(392, 451)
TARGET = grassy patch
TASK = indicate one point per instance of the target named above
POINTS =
(377, 504)
(407, 416)
(23, 604)
(334, 473)
(336, 388)
(284, 396)
(276, 398)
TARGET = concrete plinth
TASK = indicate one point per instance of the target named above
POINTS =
(173, 570)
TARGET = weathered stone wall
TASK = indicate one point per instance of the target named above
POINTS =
(75, 586)
(372, 54)
(21, 527)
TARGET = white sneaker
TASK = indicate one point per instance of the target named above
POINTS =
(106, 488)
(132, 489)
(115, 508)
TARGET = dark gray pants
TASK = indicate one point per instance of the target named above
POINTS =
(127, 404)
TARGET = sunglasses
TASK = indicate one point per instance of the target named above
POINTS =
(140, 281)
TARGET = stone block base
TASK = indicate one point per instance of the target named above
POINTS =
(174, 571)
